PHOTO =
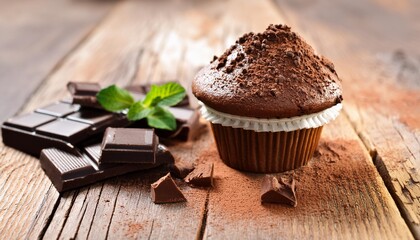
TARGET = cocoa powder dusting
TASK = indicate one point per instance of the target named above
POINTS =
(337, 183)
(270, 74)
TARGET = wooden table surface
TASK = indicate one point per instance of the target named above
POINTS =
(363, 182)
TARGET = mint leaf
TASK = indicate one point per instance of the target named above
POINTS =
(161, 118)
(137, 111)
(168, 94)
(114, 99)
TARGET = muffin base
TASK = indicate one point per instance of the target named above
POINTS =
(265, 152)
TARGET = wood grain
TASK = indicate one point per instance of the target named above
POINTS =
(374, 45)
(35, 37)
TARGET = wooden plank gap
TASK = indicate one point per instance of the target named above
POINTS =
(49, 219)
(203, 223)
(94, 212)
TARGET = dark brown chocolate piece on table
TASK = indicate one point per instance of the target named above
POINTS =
(84, 93)
(201, 176)
(165, 190)
(181, 169)
(129, 145)
(69, 171)
(58, 125)
(279, 190)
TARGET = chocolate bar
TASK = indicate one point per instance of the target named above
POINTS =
(69, 171)
(165, 190)
(84, 93)
(123, 145)
(59, 125)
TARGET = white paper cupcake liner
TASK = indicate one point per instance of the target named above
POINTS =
(313, 120)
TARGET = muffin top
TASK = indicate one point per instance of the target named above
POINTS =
(274, 74)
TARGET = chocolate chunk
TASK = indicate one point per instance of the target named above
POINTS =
(278, 191)
(129, 145)
(165, 190)
(83, 88)
(59, 125)
(84, 93)
(69, 171)
(201, 176)
(181, 169)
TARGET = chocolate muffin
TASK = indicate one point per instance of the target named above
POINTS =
(267, 98)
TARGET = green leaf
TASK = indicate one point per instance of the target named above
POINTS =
(161, 118)
(168, 94)
(137, 111)
(114, 99)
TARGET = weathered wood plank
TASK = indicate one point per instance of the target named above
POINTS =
(127, 48)
(375, 49)
(35, 37)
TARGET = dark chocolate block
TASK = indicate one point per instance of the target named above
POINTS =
(280, 190)
(35, 131)
(129, 145)
(201, 176)
(69, 171)
(84, 93)
(165, 190)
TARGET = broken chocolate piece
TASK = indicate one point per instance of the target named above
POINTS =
(68, 171)
(129, 145)
(181, 169)
(84, 93)
(279, 191)
(201, 176)
(165, 190)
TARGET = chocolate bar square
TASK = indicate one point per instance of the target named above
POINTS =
(129, 145)
(59, 109)
(29, 121)
(67, 130)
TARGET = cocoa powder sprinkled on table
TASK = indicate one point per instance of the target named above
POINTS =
(331, 184)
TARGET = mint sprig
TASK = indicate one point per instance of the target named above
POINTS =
(153, 107)
(114, 99)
